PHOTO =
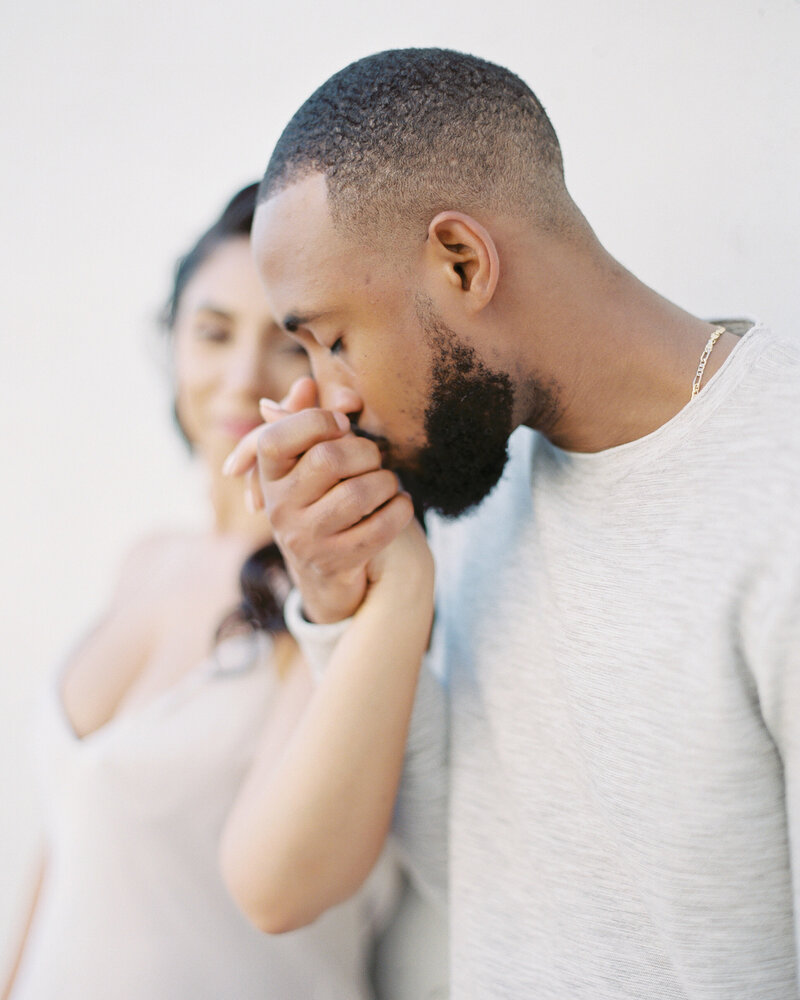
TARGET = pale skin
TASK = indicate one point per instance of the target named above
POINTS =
(291, 813)
(540, 305)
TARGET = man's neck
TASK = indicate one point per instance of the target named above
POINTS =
(623, 357)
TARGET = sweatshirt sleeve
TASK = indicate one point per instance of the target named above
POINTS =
(420, 815)
(772, 645)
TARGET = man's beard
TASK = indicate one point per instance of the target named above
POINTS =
(467, 425)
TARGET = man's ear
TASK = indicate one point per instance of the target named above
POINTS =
(465, 256)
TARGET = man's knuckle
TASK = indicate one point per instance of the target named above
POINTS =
(386, 483)
(323, 564)
(318, 423)
(352, 496)
(279, 511)
(392, 519)
(294, 540)
(324, 458)
(365, 453)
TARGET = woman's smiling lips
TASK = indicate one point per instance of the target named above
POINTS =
(237, 427)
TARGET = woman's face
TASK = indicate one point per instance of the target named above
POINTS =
(229, 352)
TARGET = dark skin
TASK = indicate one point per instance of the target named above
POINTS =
(552, 311)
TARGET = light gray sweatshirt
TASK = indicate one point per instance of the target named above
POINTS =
(620, 636)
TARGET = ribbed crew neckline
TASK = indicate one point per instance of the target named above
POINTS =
(618, 459)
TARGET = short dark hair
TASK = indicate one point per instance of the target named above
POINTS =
(407, 133)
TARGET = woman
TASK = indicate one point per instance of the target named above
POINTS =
(167, 734)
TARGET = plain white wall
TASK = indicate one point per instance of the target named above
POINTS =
(125, 128)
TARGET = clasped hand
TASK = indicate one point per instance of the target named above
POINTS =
(333, 508)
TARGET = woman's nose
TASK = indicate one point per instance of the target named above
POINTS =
(245, 372)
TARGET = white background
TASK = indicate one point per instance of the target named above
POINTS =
(125, 128)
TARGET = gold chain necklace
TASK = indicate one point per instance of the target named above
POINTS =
(698, 378)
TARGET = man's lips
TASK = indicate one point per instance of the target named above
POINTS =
(383, 444)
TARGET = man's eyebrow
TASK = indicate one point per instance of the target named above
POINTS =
(291, 320)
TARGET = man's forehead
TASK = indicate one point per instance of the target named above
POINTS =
(306, 264)
(292, 212)
(294, 240)
(294, 226)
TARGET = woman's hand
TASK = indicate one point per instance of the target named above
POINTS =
(332, 506)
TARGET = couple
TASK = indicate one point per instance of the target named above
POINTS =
(616, 621)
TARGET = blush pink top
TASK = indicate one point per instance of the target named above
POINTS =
(133, 906)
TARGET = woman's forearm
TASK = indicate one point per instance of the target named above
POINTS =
(28, 922)
(307, 829)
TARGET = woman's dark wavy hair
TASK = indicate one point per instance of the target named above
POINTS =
(263, 579)
(235, 220)
(264, 586)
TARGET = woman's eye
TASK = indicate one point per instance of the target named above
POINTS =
(213, 334)
(295, 350)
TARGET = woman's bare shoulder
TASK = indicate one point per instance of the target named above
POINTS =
(104, 665)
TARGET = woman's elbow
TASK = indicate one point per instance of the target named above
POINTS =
(263, 896)
(278, 920)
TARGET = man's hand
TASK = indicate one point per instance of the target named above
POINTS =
(331, 504)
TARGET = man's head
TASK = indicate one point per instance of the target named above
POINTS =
(381, 213)
(408, 133)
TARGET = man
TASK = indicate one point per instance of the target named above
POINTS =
(619, 619)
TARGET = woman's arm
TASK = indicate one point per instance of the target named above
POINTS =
(26, 927)
(308, 827)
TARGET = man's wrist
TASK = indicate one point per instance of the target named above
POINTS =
(316, 640)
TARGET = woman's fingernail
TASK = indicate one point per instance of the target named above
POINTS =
(229, 464)
(341, 420)
(249, 502)
(269, 404)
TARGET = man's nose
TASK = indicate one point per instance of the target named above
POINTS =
(342, 398)
(336, 390)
